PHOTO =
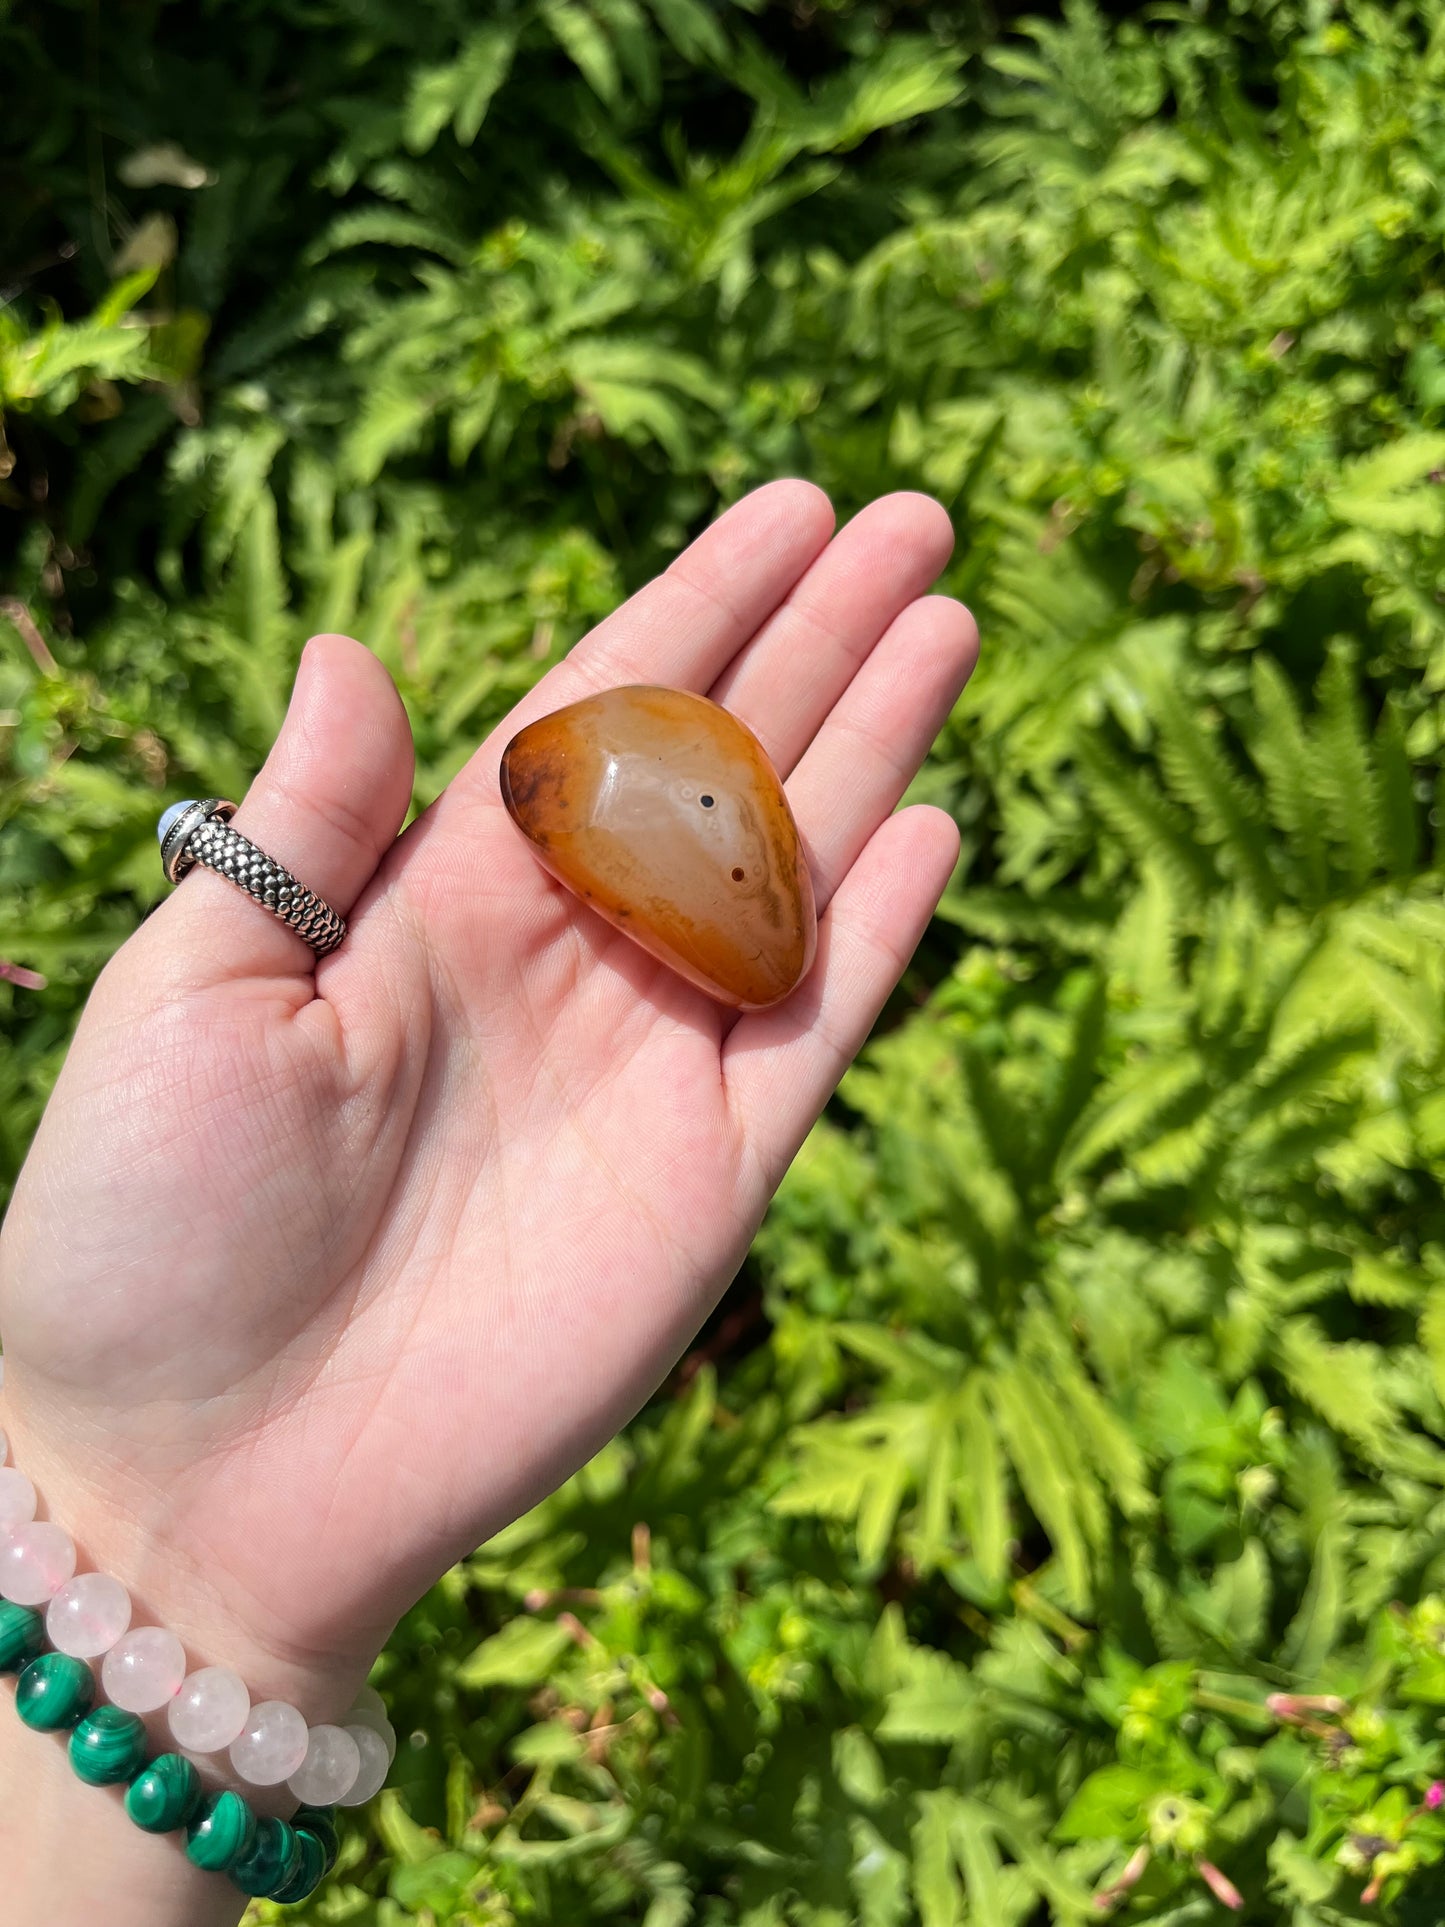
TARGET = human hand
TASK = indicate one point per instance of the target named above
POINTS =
(318, 1275)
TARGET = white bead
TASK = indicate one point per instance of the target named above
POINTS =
(210, 1711)
(17, 1499)
(88, 1615)
(35, 1562)
(272, 1745)
(370, 1710)
(143, 1671)
(331, 1768)
(374, 1766)
(4, 1448)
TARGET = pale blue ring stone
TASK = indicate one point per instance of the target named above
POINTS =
(171, 816)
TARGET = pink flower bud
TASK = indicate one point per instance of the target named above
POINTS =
(18, 974)
(1296, 1708)
(1111, 1895)
(1220, 1885)
(1435, 1794)
(1134, 1872)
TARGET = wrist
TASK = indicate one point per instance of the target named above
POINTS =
(72, 1857)
(196, 1628)
(128, 1527)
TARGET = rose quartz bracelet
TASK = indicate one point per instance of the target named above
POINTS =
(143, 1670)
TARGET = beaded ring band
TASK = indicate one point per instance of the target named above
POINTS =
(86, 1617)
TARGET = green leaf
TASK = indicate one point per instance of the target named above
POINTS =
(979, 1860)
(523, 1653)
(577, 32)
(461, 90)
(983, 1488)
(692, 29)
(1432, 1336)
(1110, 1805)
(1341, 1382)
(1052, 1484)
(939, 1700)
(1315, 1627)
(935, 1884)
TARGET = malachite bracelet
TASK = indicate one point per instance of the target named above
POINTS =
(81, 1617)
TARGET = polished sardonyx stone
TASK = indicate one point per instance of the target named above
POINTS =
(662, 811)
(108, 1746)
(223, 1832)
(22, 1636)
(54, 1692)
(164, 1795)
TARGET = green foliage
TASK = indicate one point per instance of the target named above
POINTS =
(1053, 1522)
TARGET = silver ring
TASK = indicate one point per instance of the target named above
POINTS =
(200, 832)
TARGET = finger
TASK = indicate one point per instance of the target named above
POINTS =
(870, 748)
(788, 678)
(327, 804)
(782, 1065)
(689, 622)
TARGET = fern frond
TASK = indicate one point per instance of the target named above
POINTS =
(1283, 752)
(1200, 776)
(1346, 770)
(1397, 850)
(1152, 829)
(1061, 1492)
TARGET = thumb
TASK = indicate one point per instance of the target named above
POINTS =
(328, 804)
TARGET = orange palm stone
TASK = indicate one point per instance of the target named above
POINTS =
(662, 811)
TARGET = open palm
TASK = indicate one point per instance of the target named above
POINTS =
(317, 1276)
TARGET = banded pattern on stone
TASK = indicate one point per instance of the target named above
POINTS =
(107, 1746)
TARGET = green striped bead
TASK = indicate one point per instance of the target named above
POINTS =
(107, 1746)
(22, 1636)
(223, 1832)
(273, 1861)
(310, 1871)
(54, 1692)
(164, 1795)
(322, 1822)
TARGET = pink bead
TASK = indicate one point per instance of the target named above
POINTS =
(210, 1711)
(88, 1615)
(35, 1562)
(331, 1767)
(370, 1710)
(272, 1746)
(374, 1766)
(17, 1499)
(143, 1671)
